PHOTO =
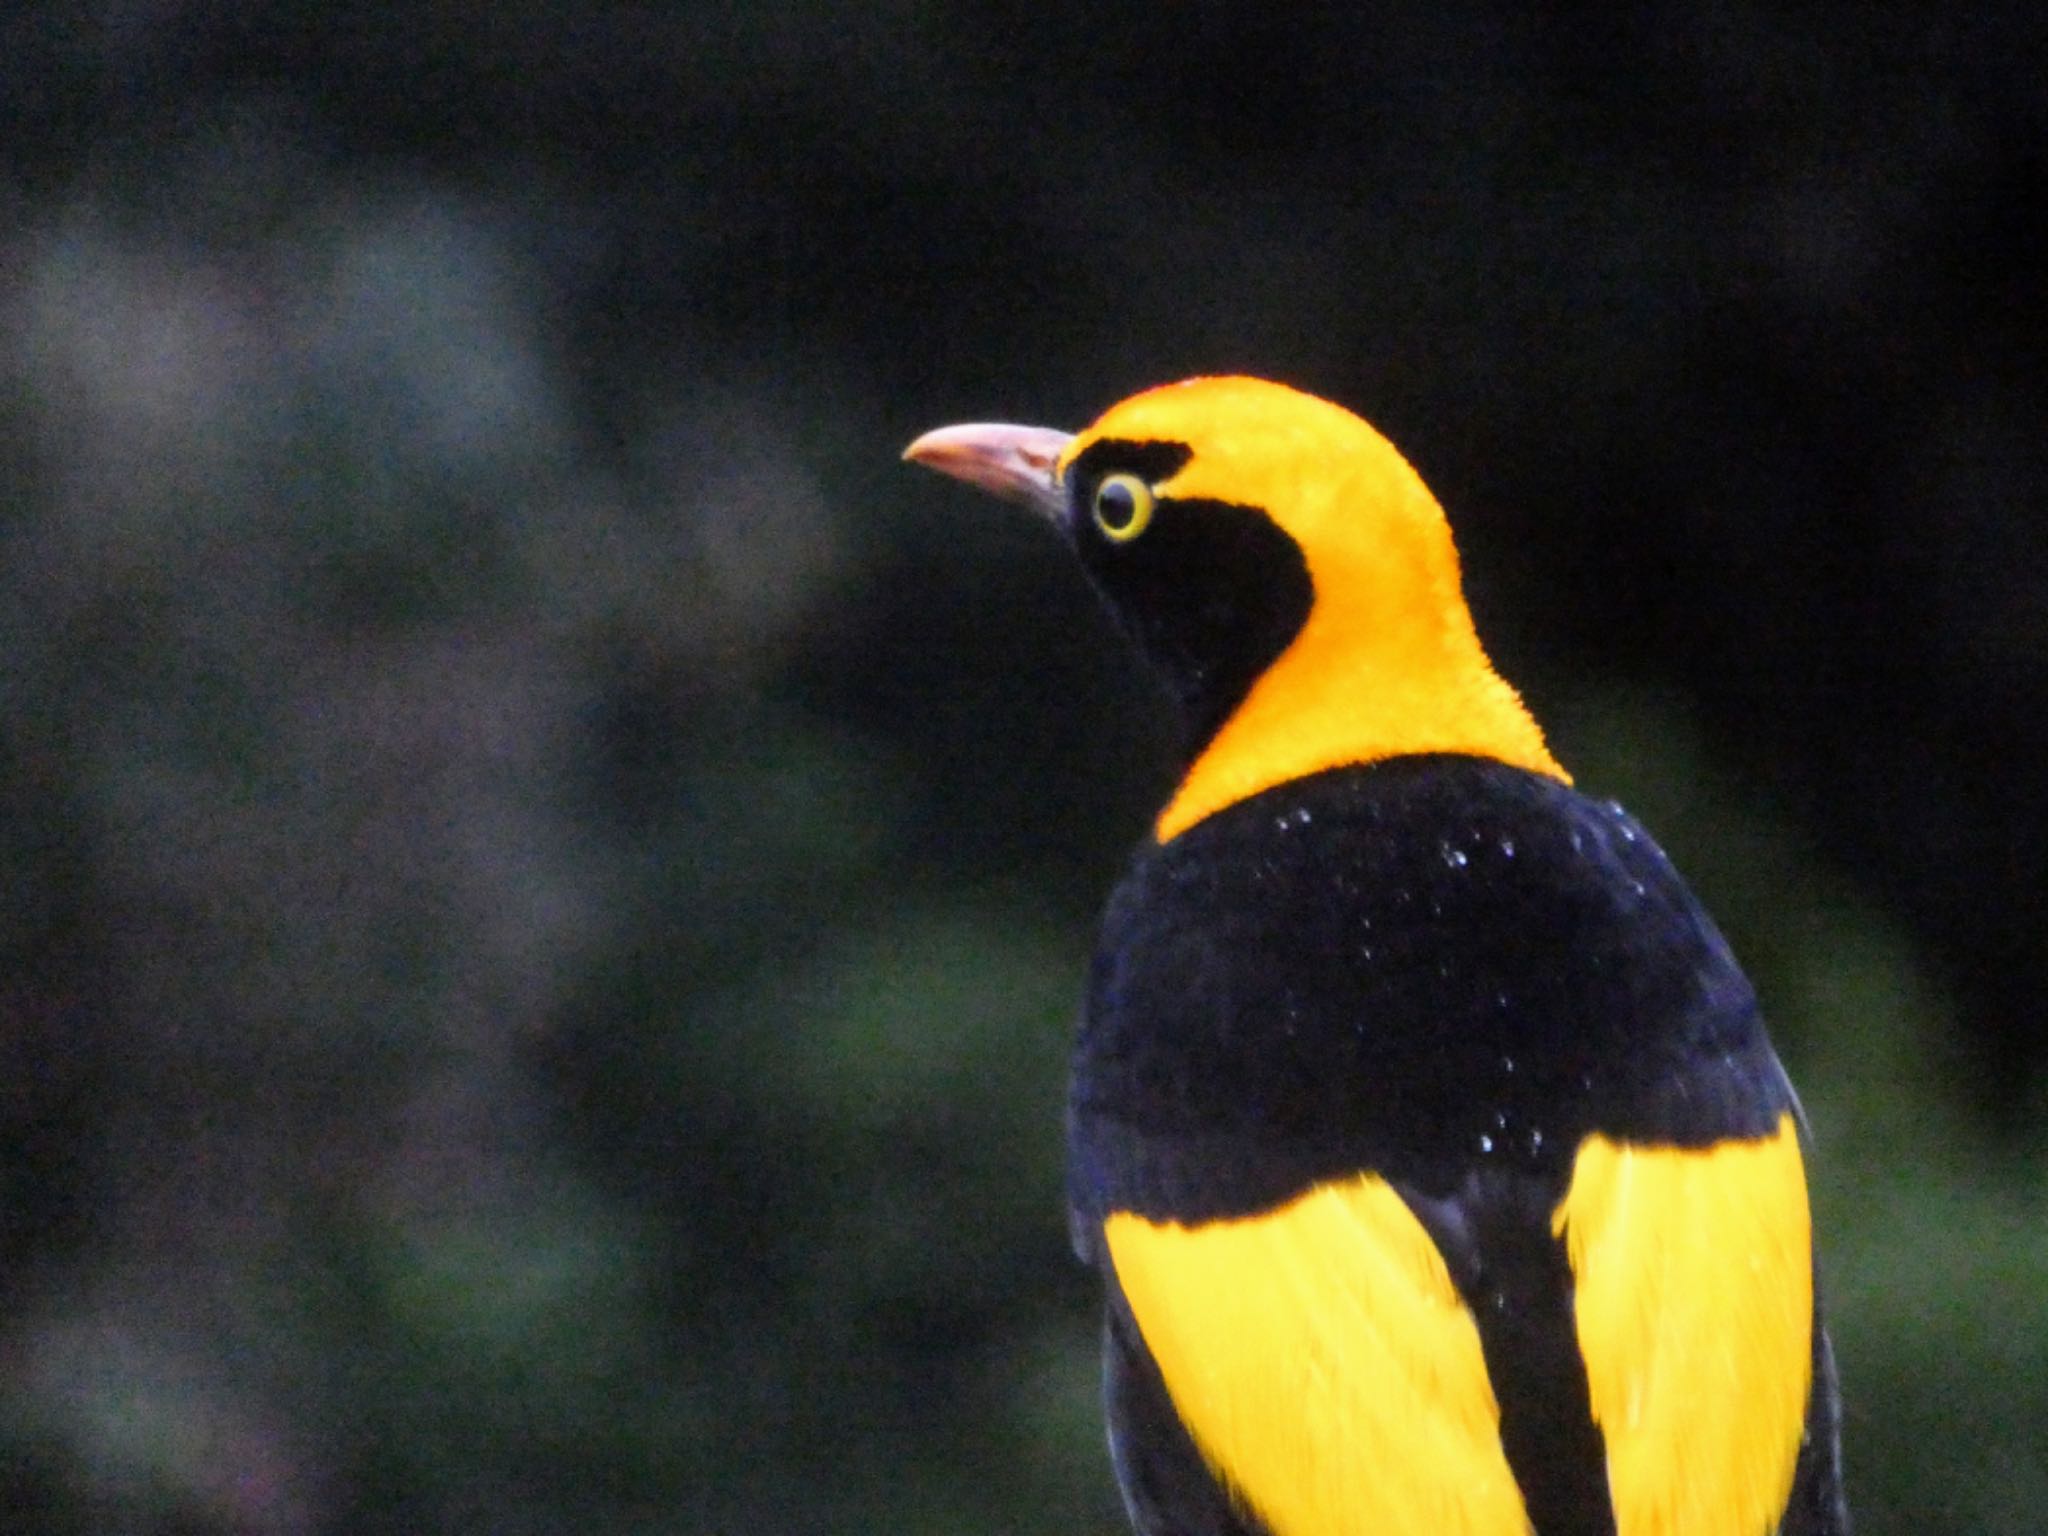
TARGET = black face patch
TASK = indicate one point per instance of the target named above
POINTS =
(1151, 461)
(1212, 592)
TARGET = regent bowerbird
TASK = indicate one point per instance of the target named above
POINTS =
(1440, 1173)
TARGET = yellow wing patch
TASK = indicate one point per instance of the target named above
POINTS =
(1325, 1365)
(1694, 1305)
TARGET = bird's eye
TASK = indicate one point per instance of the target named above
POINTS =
(1123, 506)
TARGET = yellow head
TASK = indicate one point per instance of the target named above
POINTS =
(1283, 569)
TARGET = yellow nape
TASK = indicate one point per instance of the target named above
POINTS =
(1694, 1273)
(1325, 1365)
(1388, 662)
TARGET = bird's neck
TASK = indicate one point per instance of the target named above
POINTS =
(1355, 687)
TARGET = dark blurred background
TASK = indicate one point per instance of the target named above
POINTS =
(544, 878)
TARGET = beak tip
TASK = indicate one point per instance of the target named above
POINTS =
(928, 450)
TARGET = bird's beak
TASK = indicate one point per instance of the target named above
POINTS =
(1015, 463)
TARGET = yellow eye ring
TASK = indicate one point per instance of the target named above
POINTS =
(1122, 506)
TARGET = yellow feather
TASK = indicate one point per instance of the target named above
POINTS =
(1694, 1306)
(1325, 1365)
(1388, 662)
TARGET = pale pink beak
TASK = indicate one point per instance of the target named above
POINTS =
(1015, 463)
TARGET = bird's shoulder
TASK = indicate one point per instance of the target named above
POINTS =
(1421, 966)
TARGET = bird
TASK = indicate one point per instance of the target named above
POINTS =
(1439, 1170)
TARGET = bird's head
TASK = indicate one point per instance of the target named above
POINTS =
(1281, 567)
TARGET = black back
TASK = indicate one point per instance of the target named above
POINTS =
(1446, 971)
